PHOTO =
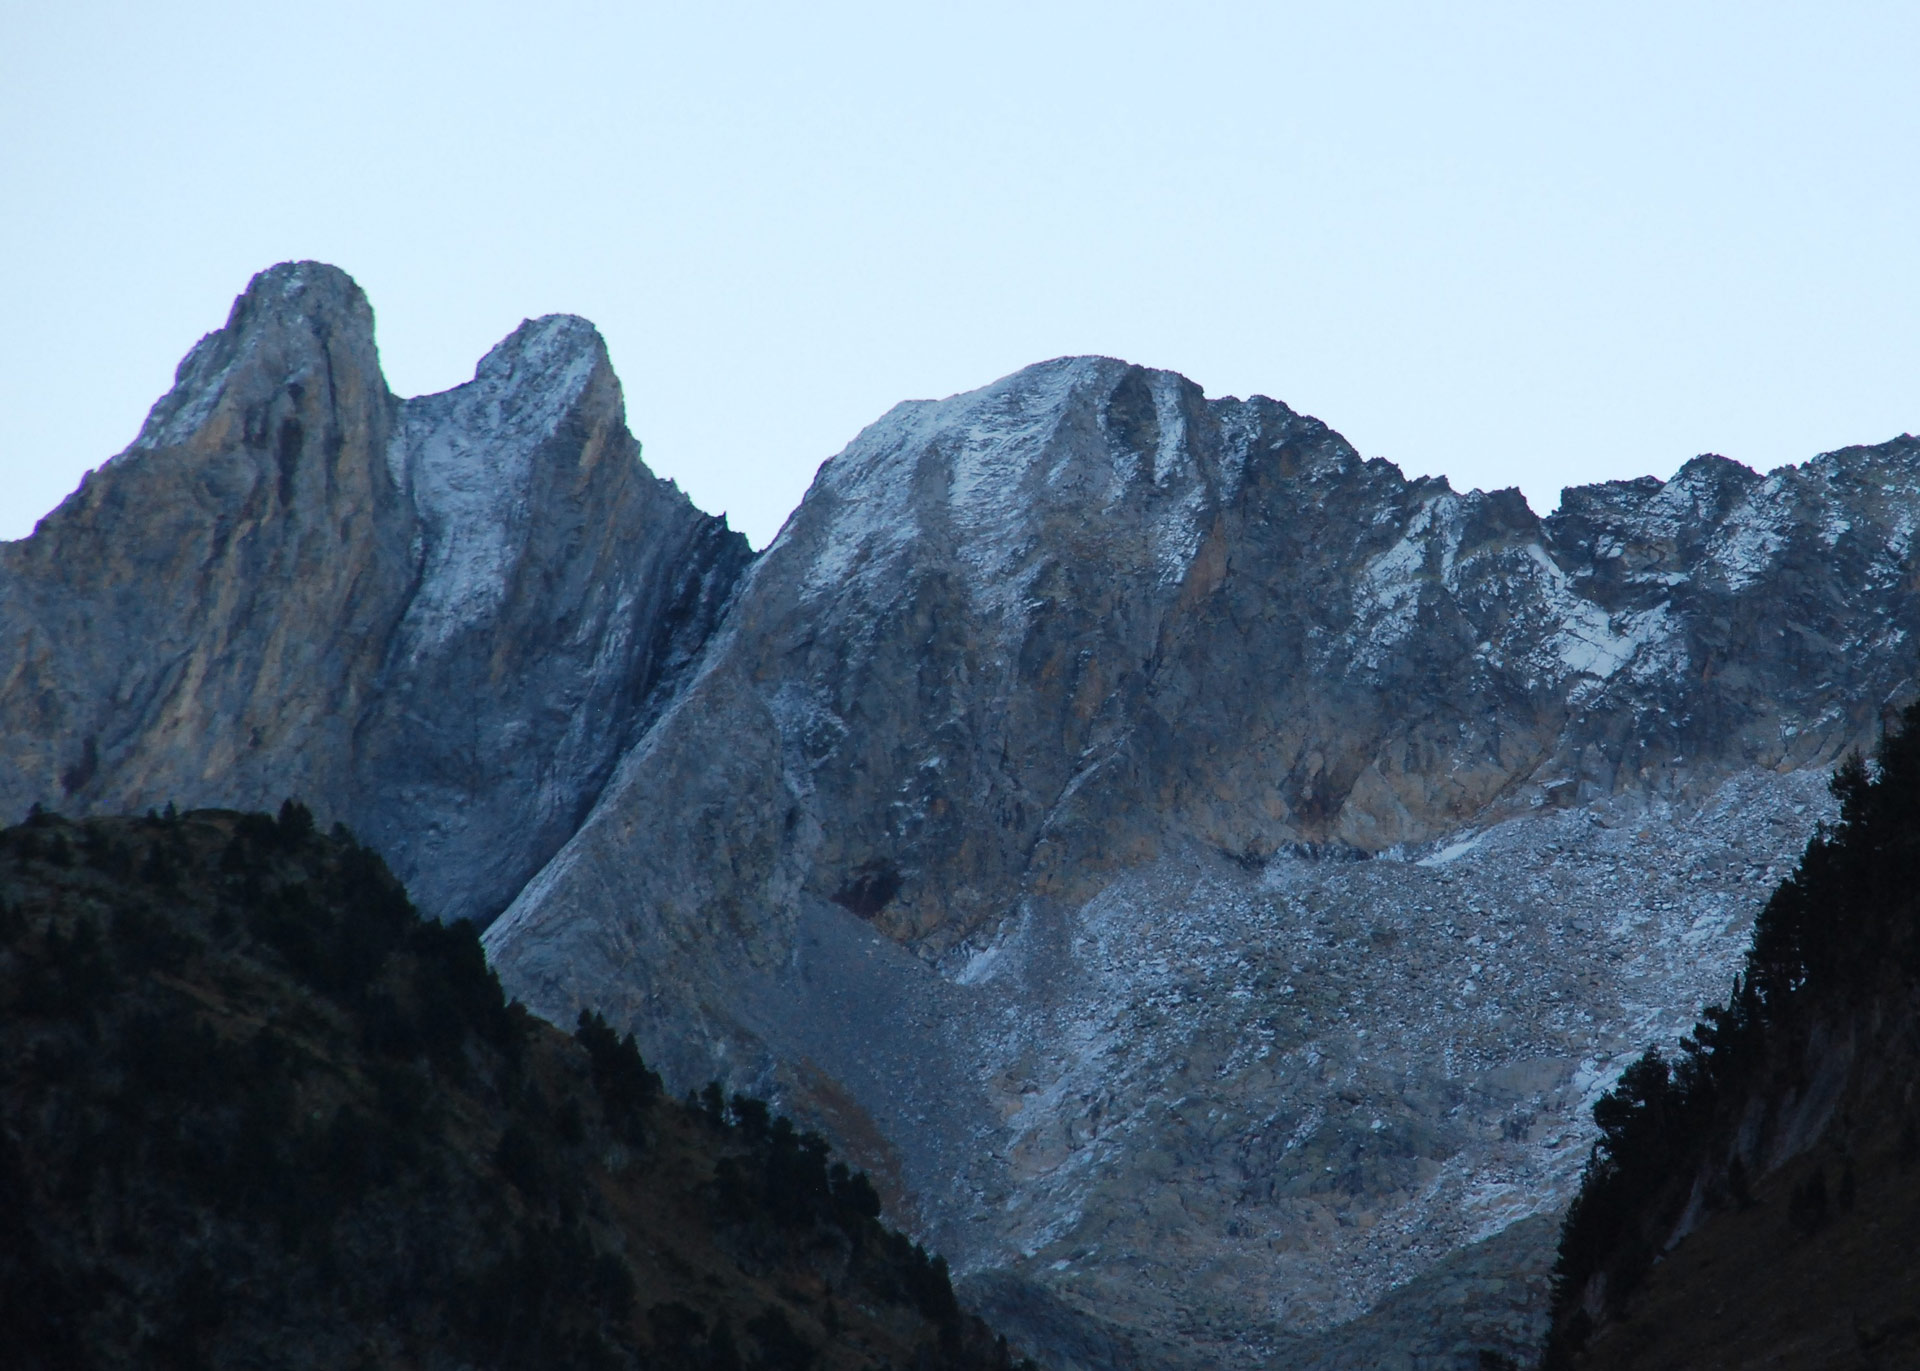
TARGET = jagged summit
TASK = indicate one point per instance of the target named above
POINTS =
(296, 318)
(1136, 454)
(439, 620)
(553, 342)
(291, 321)
(997, 815)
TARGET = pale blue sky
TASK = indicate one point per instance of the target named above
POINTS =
(1516, 244)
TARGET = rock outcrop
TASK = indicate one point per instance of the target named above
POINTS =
(438, 620)
(1016, 823)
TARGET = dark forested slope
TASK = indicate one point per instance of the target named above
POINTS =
(1756, 1202)
(254, 1111)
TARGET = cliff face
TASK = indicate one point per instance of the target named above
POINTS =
(1014, 822)
(438, 620)
(1020, 640)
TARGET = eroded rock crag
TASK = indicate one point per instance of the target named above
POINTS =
(439, 620)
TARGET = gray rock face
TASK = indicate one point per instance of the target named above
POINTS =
(1014, 828)
(439, 620)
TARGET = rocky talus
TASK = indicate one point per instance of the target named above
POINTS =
(1211, 873)
(1754, 1196)
(439, 620)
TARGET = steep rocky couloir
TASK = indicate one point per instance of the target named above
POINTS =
(439, 620)
(1013, 828)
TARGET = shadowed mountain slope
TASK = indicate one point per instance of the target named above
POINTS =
(1753, 1202)
(254, 1111)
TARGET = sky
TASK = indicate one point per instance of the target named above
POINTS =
(1513, 244)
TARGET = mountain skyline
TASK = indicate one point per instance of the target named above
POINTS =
(28, 517)
(1519, 248)
(1056, 815)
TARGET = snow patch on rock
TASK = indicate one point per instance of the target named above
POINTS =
(467, 456)
(1755, 533)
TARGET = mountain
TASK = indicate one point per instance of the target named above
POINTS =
(1217, 871)
(438, 620)
(1204, 876)
(1752, 1202)
(254, 1111)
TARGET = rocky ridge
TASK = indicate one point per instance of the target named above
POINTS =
(1056, 730)
(1098, 810)
(438, 620)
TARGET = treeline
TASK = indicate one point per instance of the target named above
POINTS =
(1839, 932)
(253, 1106)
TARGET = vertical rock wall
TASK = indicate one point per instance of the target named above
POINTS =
(438, 620)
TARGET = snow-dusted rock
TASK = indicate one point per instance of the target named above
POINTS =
(1205, 873)
(439, 620)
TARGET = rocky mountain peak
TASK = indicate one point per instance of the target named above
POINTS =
(311, 296)
(295, 323)
(551, 344)
(295, 583)
(472, 459)
(1099, 449)
(1090, 769)
(1204, 874)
